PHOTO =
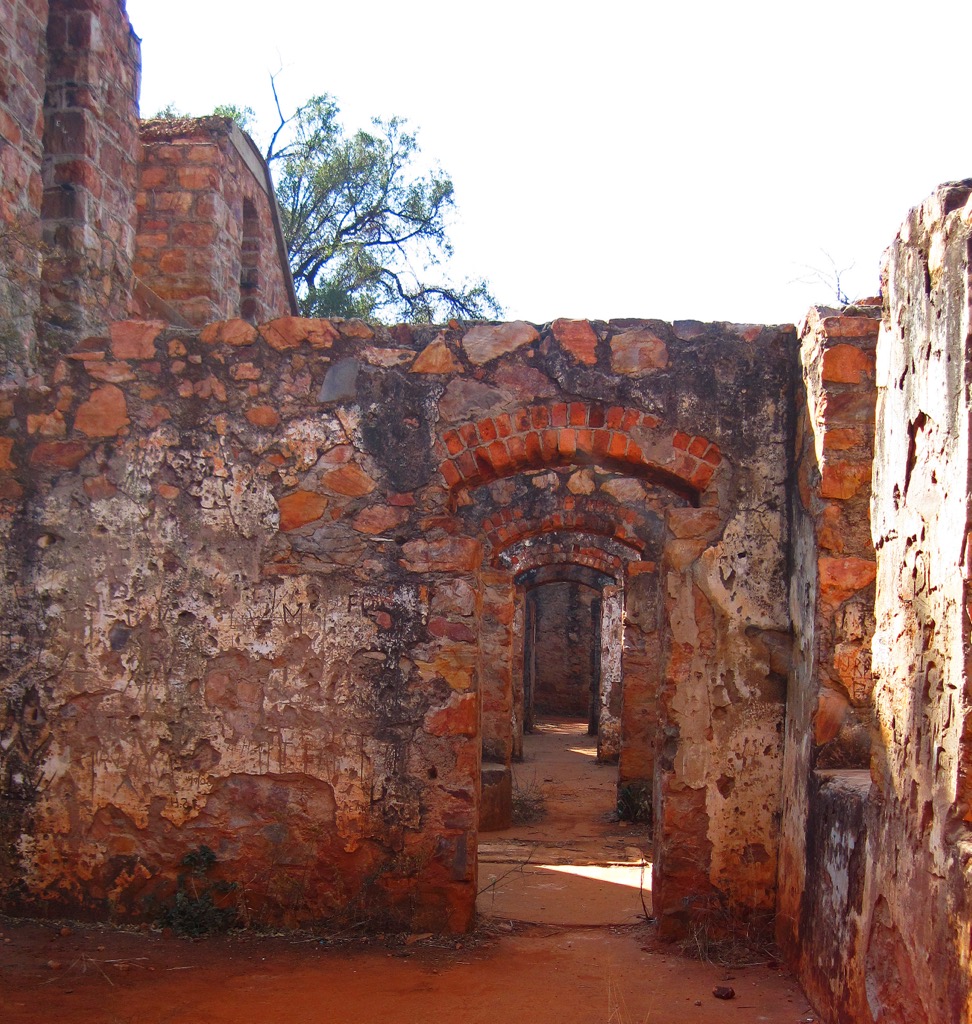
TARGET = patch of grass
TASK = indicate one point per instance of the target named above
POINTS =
(729, 939)
(529, 802)
(635, 803)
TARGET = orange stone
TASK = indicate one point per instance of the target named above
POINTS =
(135, 339)
(680, 554)
(847, 364)
(349, 480)
(263, 416)
(104, 414)
(831, 530)
(97, 487)
(299, 508)
(851, 326)
(376, 519)
(245, 371)
(841, 439)
(58, 454)
(10, 489)
(841, 578)
(47, 425)
(229, 332)
(451, 554)
(436, 358)
(288, 332)
(638, 351)
(459, 718)
(693, 522)
(832, 710)
(6, 446)
(355, 328)
(486, 342)
(110, 373)
(578, 338)
(168, 492)
(843, 480)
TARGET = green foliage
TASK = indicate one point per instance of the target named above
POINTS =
(635, 803)
(168, 113)
(245, 117)
(199, 906)
(365, 232)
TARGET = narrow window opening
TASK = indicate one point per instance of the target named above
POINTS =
(249, 259)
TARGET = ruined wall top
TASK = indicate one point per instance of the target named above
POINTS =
(209, 241)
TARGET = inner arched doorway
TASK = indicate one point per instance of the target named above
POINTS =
(654, 508)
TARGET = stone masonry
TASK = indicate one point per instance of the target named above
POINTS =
(283, 588)
(208, 238)
(336, 646)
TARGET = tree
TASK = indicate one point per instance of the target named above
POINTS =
(365, 233)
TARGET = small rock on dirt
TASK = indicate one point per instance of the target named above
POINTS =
(724, 992)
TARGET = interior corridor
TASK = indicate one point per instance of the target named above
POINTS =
(577, 864)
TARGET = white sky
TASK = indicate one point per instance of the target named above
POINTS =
(673, 160)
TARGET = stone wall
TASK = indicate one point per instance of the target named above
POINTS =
(565, 649)
(23, 60)
(830, 718)
(915, 943)
(90, 168)
(300, 549)
(209, 240)
(874, 910)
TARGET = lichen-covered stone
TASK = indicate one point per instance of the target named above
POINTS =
(485, 343)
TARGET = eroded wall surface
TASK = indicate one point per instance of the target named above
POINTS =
(268, 572)
(916, 928)
(874, 882)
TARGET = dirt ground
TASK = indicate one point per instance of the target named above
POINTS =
(563, 939)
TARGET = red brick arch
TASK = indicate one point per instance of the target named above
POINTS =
(596, 516)
(564, 433)
(571, 550)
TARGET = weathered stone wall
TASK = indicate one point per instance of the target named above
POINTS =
(915, 935)
(640, 671)
(208, 239)
(874, 910)
(565, 649)
(829, 710)
(23, 61)
(299, 549)
(89, 169)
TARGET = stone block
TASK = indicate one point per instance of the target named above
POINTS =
(496, 798)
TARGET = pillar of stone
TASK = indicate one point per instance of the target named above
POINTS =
(89, 169)
(24, 48)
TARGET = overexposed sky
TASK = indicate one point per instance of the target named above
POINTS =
(673, 160)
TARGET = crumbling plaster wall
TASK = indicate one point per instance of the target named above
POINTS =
(874, 910)
(917, 920)
(294, 540)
